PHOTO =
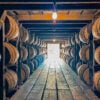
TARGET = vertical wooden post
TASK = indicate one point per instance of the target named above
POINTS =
(2, 58)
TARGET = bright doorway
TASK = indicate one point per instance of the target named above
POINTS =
(53, 51)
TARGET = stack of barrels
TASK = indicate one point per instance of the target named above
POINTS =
(82, 66)
(24, 39)
(69, 52)
(90, 30)
(96, 35)
(21, 50)
(11, 53)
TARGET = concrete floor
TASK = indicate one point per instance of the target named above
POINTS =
(54, 80)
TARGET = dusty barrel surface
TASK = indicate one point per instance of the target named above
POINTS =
(24, 35)
(68, 59)
(97, 55)
(72, 63)
(73, 40)
(31, 65)
(72, 52)
(25, 72)
(36, 63)
(12, 53)
(96, 80)
(67, 50)
(83, 72)
(31, 39)
(84, 53)
(78, 65)
(11, 28)
(32, 52)
(96, 28)
(11, 80)
(85, 32)
(77, 40)
(24, 53)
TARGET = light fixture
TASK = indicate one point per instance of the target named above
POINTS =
(54, 15)
(63, 45)
(54, 40)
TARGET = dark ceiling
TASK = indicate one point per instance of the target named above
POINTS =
(47, 29)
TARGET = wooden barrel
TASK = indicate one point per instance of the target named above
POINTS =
(73, 40)
(84, 34)
(97, 55)
(67, 50)
(67, 43)
(12, 53)
(77, 40)
(25, 72)
(96, 80)
(35, 63)
(78, 65)
(11, 80)
(11, 28)
(96, 28)
(31, 39)
(72, 63)
(36, 41)
(68, 59)
(83, 72)
(38, 44)
(24, 53)
(32, 52)
(72, 52)
(24, 35)
(31, 65)
(40, 50)
(40, 59)
(62, 56)
(84, 53)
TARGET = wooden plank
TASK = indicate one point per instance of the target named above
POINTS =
(50, 95)
(37, 90)
(62, 86)
(61, 16)
(50, 90)
(61, 83)
(80, 91)
(51, 82)
(77, 93)
(90, 95)
(65, 95)
(35, 94)
(22, 93)
(74, 88)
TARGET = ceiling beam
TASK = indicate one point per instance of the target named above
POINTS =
(55, 34)
(61, 16)
(68, 30)
(49, 2)
(56, 38)
(48, 5)
(52, 33)
(42, 22)
(41, 29)
(52, 26)
(53, 37)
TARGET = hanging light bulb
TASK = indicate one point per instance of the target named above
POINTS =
(54, 15)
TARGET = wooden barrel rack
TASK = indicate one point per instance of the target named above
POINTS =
(22, 55)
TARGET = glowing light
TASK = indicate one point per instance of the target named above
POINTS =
(54, 40)
(54, 15)
(63, 45)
